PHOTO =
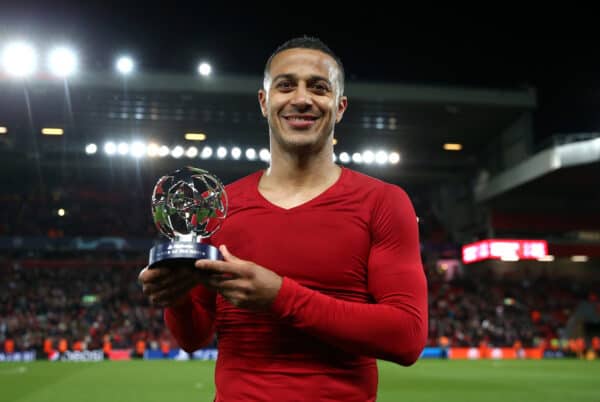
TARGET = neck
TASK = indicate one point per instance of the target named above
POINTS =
(296, 169)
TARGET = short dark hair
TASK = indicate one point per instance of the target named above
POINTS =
(309, 42)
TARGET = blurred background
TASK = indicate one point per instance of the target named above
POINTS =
(488, 121)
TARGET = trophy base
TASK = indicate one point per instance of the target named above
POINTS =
(181, 253)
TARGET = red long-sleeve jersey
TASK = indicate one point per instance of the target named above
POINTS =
(353, 290)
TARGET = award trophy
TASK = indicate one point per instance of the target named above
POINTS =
(188, 205)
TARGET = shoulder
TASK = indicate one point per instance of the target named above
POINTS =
(373, 189)
(241, 186)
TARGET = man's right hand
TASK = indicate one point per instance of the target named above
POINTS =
(168, 287)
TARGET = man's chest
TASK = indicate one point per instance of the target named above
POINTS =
(322, 248)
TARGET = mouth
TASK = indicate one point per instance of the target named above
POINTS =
(300, 121)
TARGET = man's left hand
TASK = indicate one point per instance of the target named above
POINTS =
(243, 283)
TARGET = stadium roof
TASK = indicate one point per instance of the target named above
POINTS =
(414, 120)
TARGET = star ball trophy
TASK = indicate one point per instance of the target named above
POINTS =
(188, 205)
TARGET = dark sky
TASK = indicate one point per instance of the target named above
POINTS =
(555, 52)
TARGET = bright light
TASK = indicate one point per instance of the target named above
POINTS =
(394, 158)
(138, 149)
(579, 258)
(177, 152)
(334, 157)
(452, 147)
(164, 151)
(3, 130)
(123, 148)
(250, 154)
(335, 141)
(206, 152)
(264, 155)
(191, 152)
(221, 152)
(204, 69)
(357, 158)
(61, 212)
(546, 258)
(381, 157)
(19, 59)
(236, 152)
(153, 150)
(368, 157)
(110, 148)
(53, 131)
(91, 149)
(62, 62)
(125, 65)
(195, 136)
(344, 157)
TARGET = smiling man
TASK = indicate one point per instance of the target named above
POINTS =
(322, 272)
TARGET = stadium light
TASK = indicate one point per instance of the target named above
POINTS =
(125, 65)
(177, 152)
(91, 149)
(138, 149)
(110, 148)
(357, 158)
(394, 158)
(52, 131)
(19, 59)
(204, 69)
(195, 136)
(381, 157)
(344, 157)
(163, 151)
(236, 152)
(251, 154)
(152, 150)
(61, 212)
(221, 152)
(452, 146)
(123, 148)
(62, 62)
(3, 130)
(368, 157)
(264, 155)
(206, 152)
(191, 152)
(579, 258)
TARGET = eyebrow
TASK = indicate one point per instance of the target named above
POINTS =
(312, 78)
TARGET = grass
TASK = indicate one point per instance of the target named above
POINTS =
(428, 380)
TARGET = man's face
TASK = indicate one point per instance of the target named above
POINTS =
(301, 99)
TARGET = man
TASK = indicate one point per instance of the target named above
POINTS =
(322, 271)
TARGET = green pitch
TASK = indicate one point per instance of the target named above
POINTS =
(428, 380)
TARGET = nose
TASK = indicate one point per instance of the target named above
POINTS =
(302, 97)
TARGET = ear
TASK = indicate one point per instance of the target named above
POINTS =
(341, 108)
(262, 101)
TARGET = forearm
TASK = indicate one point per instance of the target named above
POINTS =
(391, 331)
(192, 322)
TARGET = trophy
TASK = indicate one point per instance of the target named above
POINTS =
(188, 205)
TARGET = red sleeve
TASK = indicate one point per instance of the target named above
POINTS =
(192, 323)
(395, 326)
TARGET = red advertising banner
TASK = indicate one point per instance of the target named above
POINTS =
(495, 353)
(504, 249)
